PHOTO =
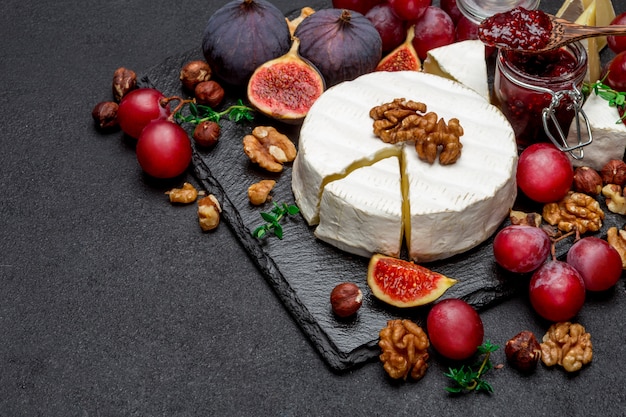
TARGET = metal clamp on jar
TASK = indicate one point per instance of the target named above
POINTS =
(540, 94)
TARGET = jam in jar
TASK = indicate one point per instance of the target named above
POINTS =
(478, 10)
(540, 93)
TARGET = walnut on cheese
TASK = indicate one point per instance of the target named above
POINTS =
(406, 120)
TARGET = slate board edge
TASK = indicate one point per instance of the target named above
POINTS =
(334, 357)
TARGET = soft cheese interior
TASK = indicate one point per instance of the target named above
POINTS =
(366, 195)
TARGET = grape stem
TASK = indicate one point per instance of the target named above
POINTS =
(558, 239)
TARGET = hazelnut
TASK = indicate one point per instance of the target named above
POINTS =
(614, 172)
(105, 115)
(124, 80)
(206, 133)
(587, 181)
(346, 299)
(193, 73)
(523, 351)
(209, 93)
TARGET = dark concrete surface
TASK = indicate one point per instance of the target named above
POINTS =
(114, 303)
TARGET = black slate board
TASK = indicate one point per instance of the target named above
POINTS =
(303, 270)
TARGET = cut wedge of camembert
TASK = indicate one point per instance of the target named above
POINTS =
(460, 61)
(364, 195)
(362, 212)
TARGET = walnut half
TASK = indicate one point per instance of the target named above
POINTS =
(269, 148)
(567, 344)
(404, 349)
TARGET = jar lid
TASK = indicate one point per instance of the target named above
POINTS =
(479, 10)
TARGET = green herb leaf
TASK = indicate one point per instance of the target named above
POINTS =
(272, 220)
(614, 98)
(466, 379)
(199, 113)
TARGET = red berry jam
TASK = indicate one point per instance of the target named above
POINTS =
(519, 29)
(525, 84)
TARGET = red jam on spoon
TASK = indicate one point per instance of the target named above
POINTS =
(517, 29)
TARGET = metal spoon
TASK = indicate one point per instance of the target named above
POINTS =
(562, 32)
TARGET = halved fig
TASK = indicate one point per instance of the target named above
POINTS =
(403, 58)
(404, 284)
(285, 88)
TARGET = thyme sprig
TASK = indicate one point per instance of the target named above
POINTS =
(199, 113)
(467, 379)
(273, 218)
(614, 98)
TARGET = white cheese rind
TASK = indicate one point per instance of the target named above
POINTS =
(479, 189)
(609, 137)
(453, 208)
(362, 212)
(461, 61)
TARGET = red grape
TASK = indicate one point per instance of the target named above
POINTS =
(163, 149)
(557, 291)
(616, 72)
(391, 28)
(544, 173)
(361, 6)
(617, 44)
(410, 9)
(466, 29)
(598, 263)
(450, 7)
(435, 28)
(521, 248)
(138, 108)
(455, 329)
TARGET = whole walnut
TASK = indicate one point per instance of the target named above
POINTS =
(404, 348)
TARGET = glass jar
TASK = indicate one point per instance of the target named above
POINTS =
(540, 94)
(479, 10)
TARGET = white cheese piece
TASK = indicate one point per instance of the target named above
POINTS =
(460, 61)
(609, 137)
(341, 139)
(452, 208)
(362, 212)
(455, 207)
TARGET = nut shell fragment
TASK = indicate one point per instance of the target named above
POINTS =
(258, 193)
(209, 211)
(184, 195)
(614, 199)
(617, 239)
(404, 347)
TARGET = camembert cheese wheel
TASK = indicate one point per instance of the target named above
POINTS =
(368, 196)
